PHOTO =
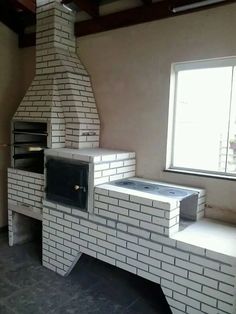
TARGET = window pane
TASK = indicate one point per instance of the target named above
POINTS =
(231, 159)
(202, 116)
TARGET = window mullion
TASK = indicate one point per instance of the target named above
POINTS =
(229, 120)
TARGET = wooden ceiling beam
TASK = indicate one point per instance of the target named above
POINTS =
(155, 11)
(147, 2)
(146, 13)
(25, 5)
(9, 17)
(89, 6)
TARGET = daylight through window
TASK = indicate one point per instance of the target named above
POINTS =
(202, 122)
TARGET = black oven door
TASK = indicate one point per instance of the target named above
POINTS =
(67, 182)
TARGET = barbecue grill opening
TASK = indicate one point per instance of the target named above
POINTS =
(29, 139)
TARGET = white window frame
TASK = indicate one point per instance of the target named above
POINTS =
(175, 68)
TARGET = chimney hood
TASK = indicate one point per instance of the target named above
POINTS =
(61, 92)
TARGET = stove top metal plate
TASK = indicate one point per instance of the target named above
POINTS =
(151, 188)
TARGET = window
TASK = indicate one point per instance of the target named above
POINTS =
(202, 117)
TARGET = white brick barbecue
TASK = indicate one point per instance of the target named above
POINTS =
(132, 232)
(61, 92)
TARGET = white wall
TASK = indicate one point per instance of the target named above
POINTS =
(130, 70)
(9, 99)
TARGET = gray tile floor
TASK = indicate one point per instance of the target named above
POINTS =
(93, 287)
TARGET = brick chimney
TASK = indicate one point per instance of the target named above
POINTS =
(61, 92)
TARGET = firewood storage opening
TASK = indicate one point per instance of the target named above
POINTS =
(29, 140)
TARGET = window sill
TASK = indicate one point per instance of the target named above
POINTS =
(201, 174)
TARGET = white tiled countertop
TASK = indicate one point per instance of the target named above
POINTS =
(169, 202)
(95, 155)
(210, 234)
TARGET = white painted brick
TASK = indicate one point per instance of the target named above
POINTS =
(218, 294)
(191, 310)
(63, 235)
(71, 245)
(176, 306)
(100, 205)
(141, 200)
(175, 253)
(119, 210)
(204, 262)
(121, 196)
(209, 309)
(126, 267)
(150, 245)
(138, 248)
(88, 238)
(129, 205)
(162, 257)
(101, 191)
(107, 214)
(152, 211)
(221, 257)
(72, 219)
(188, 283)
(56, 226)
(108, 200)
(173, 269)
(64, 222)
(203, 280)
(116, 241)
(139, 232)
(97, 234)
(127, 252)
(219, 276)
(107, 230)
(56, 263)
(89, 252)
(137, 264)
(71, 232)
(227, 289)
(152, 227)
(121, 226)
(106, 259)
(148, 260)
(116, 256)
(127, 237)
(148, 276)
(88, 224)
(202, 297)
(111, 223)
(225, 307)
(79, 241)
(161, 273)
(106, 245)
(186, 300)
(140, 216)
(190, 266)
(49, 266)
(97, 248)
(173, 286)
(129, 220)
(80, 228)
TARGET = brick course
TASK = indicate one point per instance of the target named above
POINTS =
(193, 279)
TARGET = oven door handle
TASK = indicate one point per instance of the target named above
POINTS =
(79, 188)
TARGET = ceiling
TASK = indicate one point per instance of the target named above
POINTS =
(19, 15)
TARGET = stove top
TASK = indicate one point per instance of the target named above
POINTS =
(157, 189)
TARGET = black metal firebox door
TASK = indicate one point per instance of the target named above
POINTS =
(67, 182)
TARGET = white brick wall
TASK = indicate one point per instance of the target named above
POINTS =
(25, 194)
(25, 189)
(61, 92)
(193, 279)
